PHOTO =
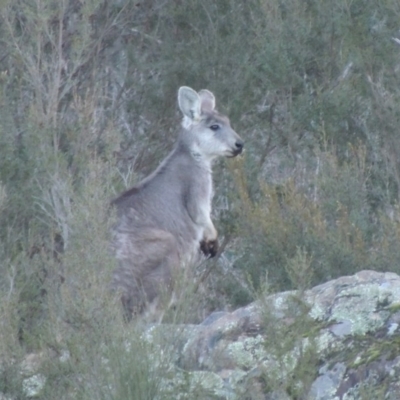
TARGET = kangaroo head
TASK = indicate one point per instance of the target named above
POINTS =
(207, 133)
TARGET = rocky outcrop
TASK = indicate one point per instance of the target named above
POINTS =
(339, 340)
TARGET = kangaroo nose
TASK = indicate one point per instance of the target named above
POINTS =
(239, 146)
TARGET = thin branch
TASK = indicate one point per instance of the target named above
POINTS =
(396, 40)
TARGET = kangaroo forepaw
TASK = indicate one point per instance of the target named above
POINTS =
(209, 247)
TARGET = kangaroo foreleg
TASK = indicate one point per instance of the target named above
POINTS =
(209, 247)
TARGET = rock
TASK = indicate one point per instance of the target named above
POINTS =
(339, 340)
(33, 386)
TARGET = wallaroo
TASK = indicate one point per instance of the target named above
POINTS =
(164, 222)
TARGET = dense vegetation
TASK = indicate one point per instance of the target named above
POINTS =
(88, 107)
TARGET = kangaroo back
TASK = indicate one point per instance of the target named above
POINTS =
(164, 222)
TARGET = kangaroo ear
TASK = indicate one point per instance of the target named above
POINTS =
(189, 102)
(207, 100)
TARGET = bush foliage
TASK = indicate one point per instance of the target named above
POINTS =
(88, 107)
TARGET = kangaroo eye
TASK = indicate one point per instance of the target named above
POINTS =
(214, 127)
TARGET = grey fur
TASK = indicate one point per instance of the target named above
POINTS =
(165, 219)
